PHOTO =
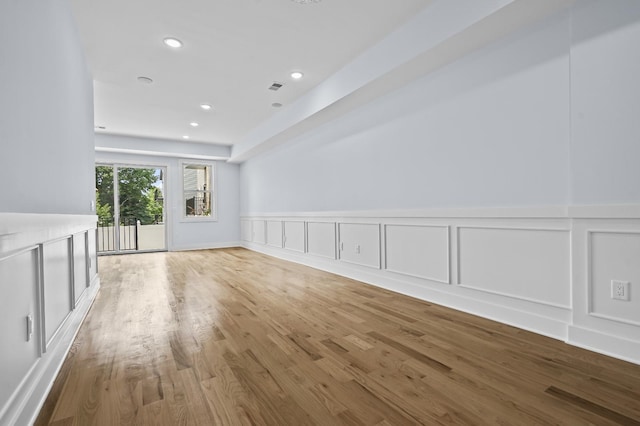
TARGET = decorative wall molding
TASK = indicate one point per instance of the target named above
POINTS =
(411, 268)
(295, 236)
(18, 230)
(259, 228)
(598, 282)
(359, 243)
(597, 341)
(246, 230)
(211, 246)
(275, 233)
(322, 239)
(42, 259)
(529, 267)
(530, 264)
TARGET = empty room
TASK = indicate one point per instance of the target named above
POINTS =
(319, 212)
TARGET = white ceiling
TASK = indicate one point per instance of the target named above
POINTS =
(233, 51)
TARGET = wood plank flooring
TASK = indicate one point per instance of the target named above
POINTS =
(233, 337)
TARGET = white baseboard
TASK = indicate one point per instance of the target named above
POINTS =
(27, 402)
(206, 246)
(627, 350)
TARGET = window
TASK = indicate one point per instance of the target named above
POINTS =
(198, 191)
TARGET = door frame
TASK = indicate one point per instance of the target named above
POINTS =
(116, 204)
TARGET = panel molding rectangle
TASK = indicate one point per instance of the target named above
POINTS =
(79, 266)
(626, 307)
(246, 230)
(274, 233)
(513, 268)
(429, 255)
(259, 231)
(359, 243)
(37, 254)
(294, 236)
(57, 286)
(19, 285)
(321, 239)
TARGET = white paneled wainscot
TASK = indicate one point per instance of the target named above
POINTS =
(274, 233)
(48, 278)
(321, 237)
(547, 270)
(294, 236)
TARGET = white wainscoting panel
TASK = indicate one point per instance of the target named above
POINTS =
(57, 288)
(80, 282)
(419, 251)
(321, 239)
(259, 232)
(92, 254)
(294, 236)
(18, 286)
(274, 233)
(614, 256)
(360, 243)
(43, 259)
(246, 230)
(530, 264)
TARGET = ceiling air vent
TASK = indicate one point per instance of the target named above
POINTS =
(275, 86)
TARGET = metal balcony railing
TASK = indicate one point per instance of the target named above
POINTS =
(107, 241)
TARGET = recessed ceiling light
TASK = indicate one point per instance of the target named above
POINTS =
(194, 124)
(173, 42)
(276, 104)
(205, 107)
(145, 80)
(185, 137)
(296, 75)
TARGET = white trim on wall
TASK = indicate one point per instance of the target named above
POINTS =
(447, 248)
(209, 246)
(478, 287)
(590, 278)
(21, 234)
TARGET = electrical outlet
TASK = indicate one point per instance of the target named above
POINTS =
(357, 248)
(620, 290)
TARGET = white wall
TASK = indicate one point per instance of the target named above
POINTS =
(46, 111)
(184, 234)
(47, 227)
(489, 130)
(605, 102)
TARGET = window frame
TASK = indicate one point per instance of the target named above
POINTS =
(213, 184)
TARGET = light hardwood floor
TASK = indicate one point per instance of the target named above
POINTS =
(234, 337)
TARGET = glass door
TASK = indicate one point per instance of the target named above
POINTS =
(130, 208)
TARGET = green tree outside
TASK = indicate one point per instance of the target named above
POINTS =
(139, 198)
